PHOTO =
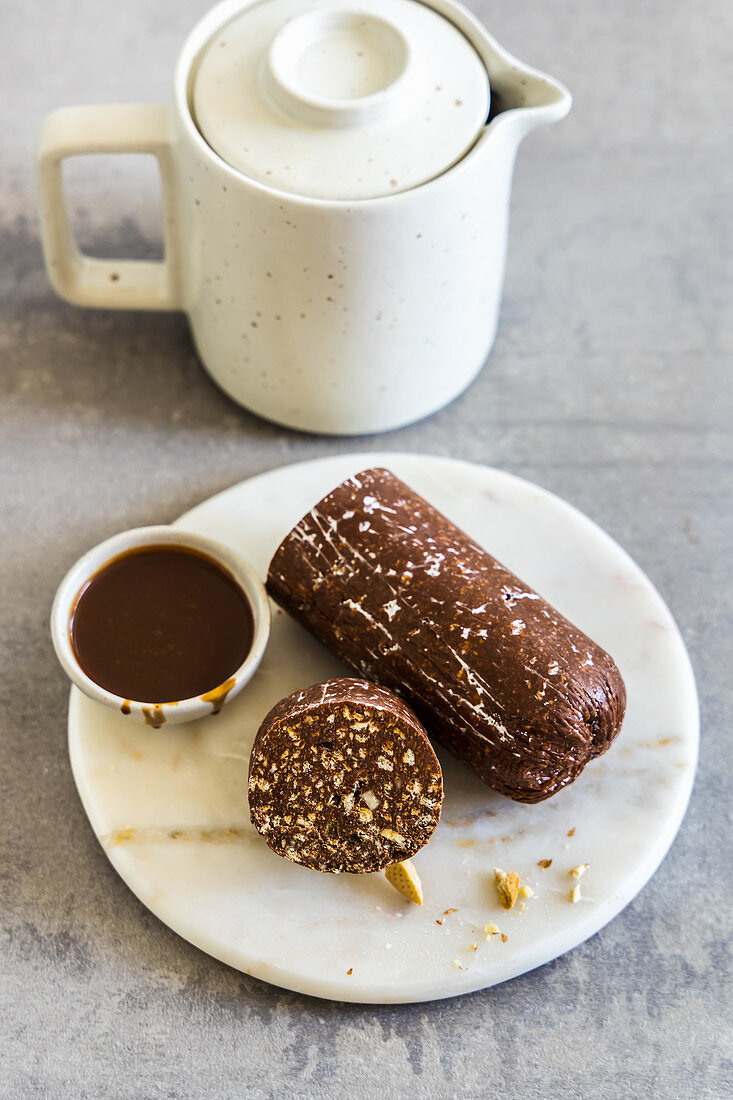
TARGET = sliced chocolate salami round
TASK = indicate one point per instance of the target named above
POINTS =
(406, 598)
(342, 777)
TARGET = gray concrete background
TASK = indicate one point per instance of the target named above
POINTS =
(609, 384)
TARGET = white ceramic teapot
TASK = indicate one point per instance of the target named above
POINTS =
(336, 185)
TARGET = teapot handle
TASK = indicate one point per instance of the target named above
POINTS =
(111, 284)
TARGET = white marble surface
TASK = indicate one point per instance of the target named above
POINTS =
(170, 808)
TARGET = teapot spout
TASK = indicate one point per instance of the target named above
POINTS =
(523, 98)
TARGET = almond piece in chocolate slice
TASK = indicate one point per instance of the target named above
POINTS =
(403, 596)
(342, 777)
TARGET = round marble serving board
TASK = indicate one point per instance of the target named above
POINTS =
(170, 806)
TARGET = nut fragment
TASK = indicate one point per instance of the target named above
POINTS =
(575, 894)
(370, 799)
(544, 863)
(491, 930)
(507, 886)
(406, 880)
(396, 838)
(576, 872)
(526, 891)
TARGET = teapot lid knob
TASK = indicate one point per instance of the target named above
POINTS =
(339, 67)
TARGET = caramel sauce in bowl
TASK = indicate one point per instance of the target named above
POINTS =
(162, 625)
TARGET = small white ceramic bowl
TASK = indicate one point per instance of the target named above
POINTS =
(156, 714)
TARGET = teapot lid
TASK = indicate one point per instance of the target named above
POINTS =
(325, 100)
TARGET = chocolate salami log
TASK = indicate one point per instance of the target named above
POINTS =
(342, 777)
(400, 593)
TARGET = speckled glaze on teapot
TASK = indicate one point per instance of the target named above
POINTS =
(336, 183)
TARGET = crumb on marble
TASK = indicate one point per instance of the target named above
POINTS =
(576, 872)
(507, 887)
(406, 880)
